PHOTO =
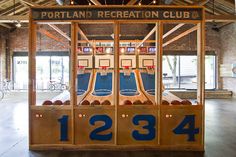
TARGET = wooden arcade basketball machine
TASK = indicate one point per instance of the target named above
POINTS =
(116, 97)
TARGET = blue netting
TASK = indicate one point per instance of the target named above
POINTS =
(128, 85)
(148, 83)
(82, 83)
(103, 85)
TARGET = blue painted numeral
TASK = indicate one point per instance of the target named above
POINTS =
(64, 128)
(94, 135)
(187, 126)
(150, 127)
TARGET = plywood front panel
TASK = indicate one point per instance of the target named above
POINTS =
(181, 125)
(51, 126)
(137, 125)
(95, 125)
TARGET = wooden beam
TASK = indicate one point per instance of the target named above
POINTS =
(131, 2)
(95, 2)
(59, 31)
(28, 3)
(125, 41)
(201, 2)
(220, 18)
(5, 25)
(50, 35)
(173, 30)
(13, 18)
(147, 36)
(180, 36)
(84, 36)
(164, 36)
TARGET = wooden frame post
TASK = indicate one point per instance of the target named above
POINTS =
(32, 68)
(73, 58)
(158, 72)
(201, 71)
(158, 69)
(116, 74)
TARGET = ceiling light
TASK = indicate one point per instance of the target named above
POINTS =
(154, 1)
(18, 24)
(139, 3)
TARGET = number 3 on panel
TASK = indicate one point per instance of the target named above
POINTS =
(187, 126)
(150, 127)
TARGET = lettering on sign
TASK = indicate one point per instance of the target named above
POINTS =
(103, 13)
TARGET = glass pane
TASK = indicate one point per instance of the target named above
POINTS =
(210, 73)
(188, 72)
(42, 72)
(95, 65)
(20, 73)
(52, 65)
(170, 71)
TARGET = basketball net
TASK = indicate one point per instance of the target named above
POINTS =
(150, 69)
(103, 70)
(127, 70)
(81, 69)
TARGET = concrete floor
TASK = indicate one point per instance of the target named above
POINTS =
(220, 132)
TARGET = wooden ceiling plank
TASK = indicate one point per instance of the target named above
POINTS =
(5, 25)
(10, 9)
(220, 18)
(7, 19)
(132, 2)
(59, 31)
(201, 3)
(180, 36)
(28, 3)
(4, 2)
(95, 2)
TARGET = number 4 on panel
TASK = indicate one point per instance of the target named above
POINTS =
(187, 126)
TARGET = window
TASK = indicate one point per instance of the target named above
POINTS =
(180, 71)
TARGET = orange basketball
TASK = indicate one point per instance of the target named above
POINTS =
(67, 102)
(95, 102)
(147, 102)
(137, 102)
(57, 102)
(47, 102)
(165, 102)
(186, 102)
(175, 102)
(127, 102)
(85, 102)
(106, 102)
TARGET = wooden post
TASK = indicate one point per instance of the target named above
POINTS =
(73, 71)
(201, 70)
(158, 72)
(32, 68)
(158, 69)
(116, 74)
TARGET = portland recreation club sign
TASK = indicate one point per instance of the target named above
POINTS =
(117, 13)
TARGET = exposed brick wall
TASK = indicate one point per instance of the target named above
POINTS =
(20, 37)
(228, 55)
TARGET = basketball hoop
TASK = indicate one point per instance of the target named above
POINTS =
(150, 69)
(127, 70)
(81, 69)
(103, 70)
